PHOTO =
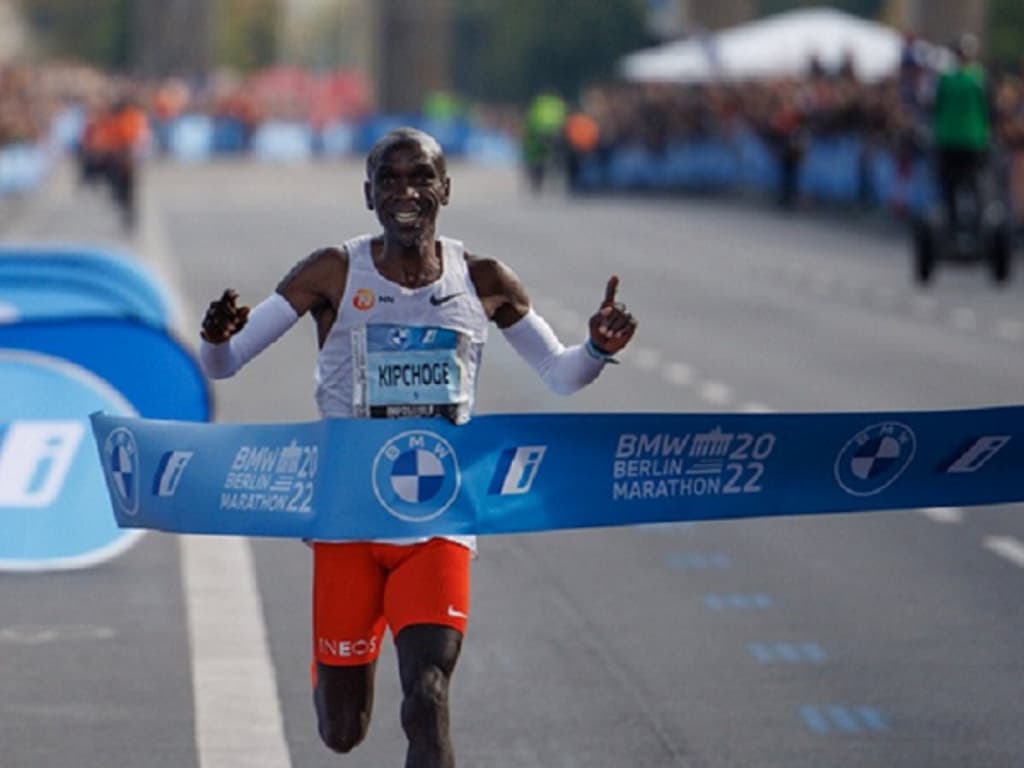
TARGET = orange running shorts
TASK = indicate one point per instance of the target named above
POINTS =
(361, 588)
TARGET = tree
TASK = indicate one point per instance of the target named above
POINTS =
(245, 35)
(1006, 34)
(98, 32)
(870, 9)
(506, 52)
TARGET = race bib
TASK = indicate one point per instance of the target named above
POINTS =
(401, 371)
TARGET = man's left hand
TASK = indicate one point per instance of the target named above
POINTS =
(611, 327)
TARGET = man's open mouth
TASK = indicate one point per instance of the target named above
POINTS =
(405, 218)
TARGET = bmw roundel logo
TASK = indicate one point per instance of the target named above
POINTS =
(121, 456)
(874, 458)
(399, 337)
(416, 476)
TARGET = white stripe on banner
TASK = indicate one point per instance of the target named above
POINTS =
(237, 710)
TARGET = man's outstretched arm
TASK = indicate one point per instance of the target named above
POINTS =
(564, 369)
(233, 335)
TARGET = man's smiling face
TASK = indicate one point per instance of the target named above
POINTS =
(407, 187)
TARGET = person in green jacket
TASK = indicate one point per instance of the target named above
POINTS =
(962, 125)
(542, 132)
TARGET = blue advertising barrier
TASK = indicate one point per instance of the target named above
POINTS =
(283, 141)
(39, 281)
(22, 167)
(357, 479)
(54, 513)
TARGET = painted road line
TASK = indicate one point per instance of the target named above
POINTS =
(237, 709)
(699, 561)
(679, 374)
(1007, 547)
(788, 653)
(1009, 330)
(964, 319)
(716, 393)
(739, 602)
(646, 359)
(839, 718)
(946, 515)
(234, 686)
(924, 307)
(152, 246)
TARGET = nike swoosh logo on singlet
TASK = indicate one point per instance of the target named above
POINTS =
(437, 301)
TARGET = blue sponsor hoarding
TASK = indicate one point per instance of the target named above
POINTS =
(76, 281)
(54, 511)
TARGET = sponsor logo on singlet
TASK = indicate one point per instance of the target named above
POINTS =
(364, 299)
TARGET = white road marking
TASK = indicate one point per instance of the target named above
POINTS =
(964, 319)
(237, 709)
(1009, 330)
(25, 634)
(756, 408)
(152, 245)
(946, 515)
(924, 307)
(716, 393)
(646, 359)
(1007, 547)
(234, 688)
(679, 374)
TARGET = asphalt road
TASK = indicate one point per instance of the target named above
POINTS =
(850, 641)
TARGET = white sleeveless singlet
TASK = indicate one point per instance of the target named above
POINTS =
(394, 351)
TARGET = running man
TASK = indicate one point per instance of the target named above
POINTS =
(403, 299)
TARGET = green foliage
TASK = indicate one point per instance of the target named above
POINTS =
(98, 32)
(245, 33)
(870, 9)
(1006, 34)
(508, 51)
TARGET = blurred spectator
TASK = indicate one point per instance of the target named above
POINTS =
(963, 126)
(1009, 107)
(114, 138)
(582, 137)
(22, 117)
(542, 136)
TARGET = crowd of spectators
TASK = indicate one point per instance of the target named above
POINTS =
(787, 114)
(32, 96)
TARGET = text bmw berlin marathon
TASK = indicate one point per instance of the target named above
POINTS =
(665, 465)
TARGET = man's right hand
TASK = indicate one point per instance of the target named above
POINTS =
(224, 318)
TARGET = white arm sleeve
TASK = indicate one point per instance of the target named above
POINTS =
(267, 322)
(564, 369)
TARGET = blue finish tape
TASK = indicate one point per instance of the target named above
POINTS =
(358, 479)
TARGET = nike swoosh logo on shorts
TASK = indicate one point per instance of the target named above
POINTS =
(456, 614)
(437, 301)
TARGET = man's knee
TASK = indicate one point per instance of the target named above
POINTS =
(343, 733)
(426, 698)
(343, 699)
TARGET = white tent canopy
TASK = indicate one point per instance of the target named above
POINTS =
(779, 45)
